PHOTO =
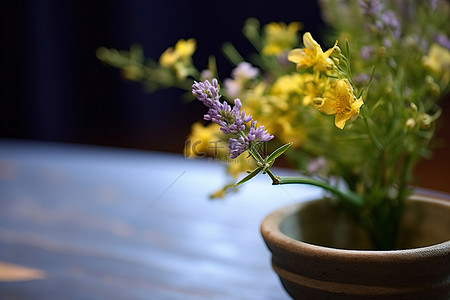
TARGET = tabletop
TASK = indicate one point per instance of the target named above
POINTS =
(92, 222)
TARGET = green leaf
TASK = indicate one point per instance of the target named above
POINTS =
(347, 47)
(232, 54)
(249, 176)
(271, 158)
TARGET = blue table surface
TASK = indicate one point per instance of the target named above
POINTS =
(110, 223)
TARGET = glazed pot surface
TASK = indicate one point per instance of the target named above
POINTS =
(321, 254)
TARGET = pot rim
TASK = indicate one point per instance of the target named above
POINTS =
(270, 230)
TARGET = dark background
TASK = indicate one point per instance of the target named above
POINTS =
(54, 88)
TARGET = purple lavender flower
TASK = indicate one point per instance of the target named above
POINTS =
(443, 40)
(240, 118)
(258, 135)
(391, 21)
(240, 76)
(366, 52)
(232, 87)
(362, 78)
(254, 136)
(387, 43)
(433, 4)
(231, 120)
(244, 71)
(237, 146)
(419, 42)
(370, 7)
(206, 74)
(206, 92)
(380, 18)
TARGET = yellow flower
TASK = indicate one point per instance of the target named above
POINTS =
(312, 55)
(340, 100)
(288, 84)
(303, 86)
(437, 62)
(205, 140)
(183, 50)
(311, 89)
(168, 58)
(258, 104)
(221, 193)
(280, 37)
(289, 133)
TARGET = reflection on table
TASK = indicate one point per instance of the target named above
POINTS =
(85, 222)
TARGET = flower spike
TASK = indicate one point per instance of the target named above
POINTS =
(232, 120)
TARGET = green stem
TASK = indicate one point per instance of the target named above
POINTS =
(232, 54)
(370, 130)
(349, 196)
(275, 179)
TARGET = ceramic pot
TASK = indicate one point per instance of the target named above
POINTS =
(319, 253)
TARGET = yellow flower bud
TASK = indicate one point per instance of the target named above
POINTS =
(410, 124)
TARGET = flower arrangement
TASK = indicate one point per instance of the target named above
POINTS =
(355, 118)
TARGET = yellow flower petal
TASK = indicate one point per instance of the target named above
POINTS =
(329, 51)
(340, 120)
(437, 62)
(205, 140)
(295, 55)
(279, 37)
(312, 55)
(183, 51)
(185, 48)
(328, 106)
(240, 165)
(310, 43)
(168, 58)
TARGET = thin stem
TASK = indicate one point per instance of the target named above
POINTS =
(232, 54)
(370, 130)
(349, 196)
(275, 179)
